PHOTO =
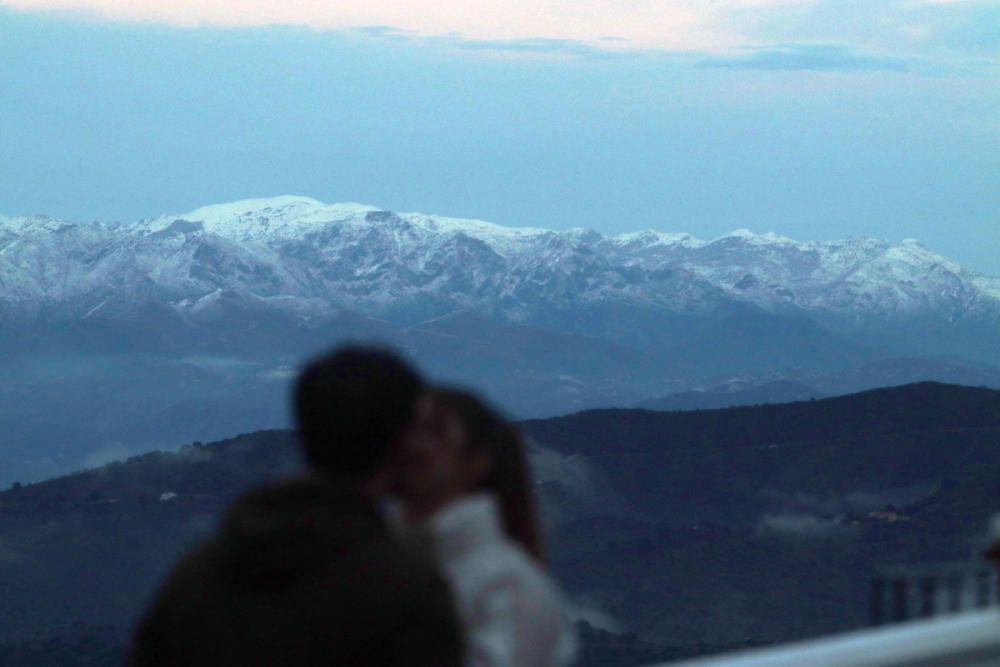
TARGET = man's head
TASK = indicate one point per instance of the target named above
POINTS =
(352, 408)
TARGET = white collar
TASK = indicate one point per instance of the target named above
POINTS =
(465, 524)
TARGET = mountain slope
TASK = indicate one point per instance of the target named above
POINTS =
(885, 443)
(773, 538)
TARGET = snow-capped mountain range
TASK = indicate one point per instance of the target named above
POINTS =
(190, 326)
(298, 253)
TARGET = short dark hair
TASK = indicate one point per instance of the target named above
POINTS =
(351, 406)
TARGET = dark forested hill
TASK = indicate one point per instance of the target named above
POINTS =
(82, 554)
(764, 523)
(730, 465)
(720, 527)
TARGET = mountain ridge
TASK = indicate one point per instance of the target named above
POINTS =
(268, 236)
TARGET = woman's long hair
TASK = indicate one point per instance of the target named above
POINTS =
(509, 478)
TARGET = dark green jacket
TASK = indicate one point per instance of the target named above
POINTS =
(302, 573)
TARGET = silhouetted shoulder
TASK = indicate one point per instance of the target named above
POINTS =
(306, 573)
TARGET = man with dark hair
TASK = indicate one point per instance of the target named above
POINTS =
(351, 408)
(305, 572)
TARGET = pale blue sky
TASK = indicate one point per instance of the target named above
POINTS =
(832, 119)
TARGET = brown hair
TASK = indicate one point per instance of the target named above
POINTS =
(509, 478)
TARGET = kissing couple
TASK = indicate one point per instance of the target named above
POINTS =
(413, 538)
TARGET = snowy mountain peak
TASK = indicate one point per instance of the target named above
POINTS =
(248, 206)
(360, 257)
(276, 209)
(473, 227)
(749, 237)
(263, 220)
(990, 286)
(29, 223)
(650, 237)
(914, 253)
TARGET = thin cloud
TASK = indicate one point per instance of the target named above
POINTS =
(383, 31)
(812, 57)
(534, 46)
(636, 24)
(902, 35)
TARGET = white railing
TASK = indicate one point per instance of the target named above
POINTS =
(964, 640)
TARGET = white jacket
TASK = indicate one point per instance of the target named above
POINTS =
(511, 610)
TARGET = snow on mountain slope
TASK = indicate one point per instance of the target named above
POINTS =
(988, 286)
(261, 220)
(860, 276)
(360, 257)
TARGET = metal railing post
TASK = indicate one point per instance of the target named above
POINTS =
(928, 595)
(955, 585)
(900, 600)
(983, 589)
(876, 609)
